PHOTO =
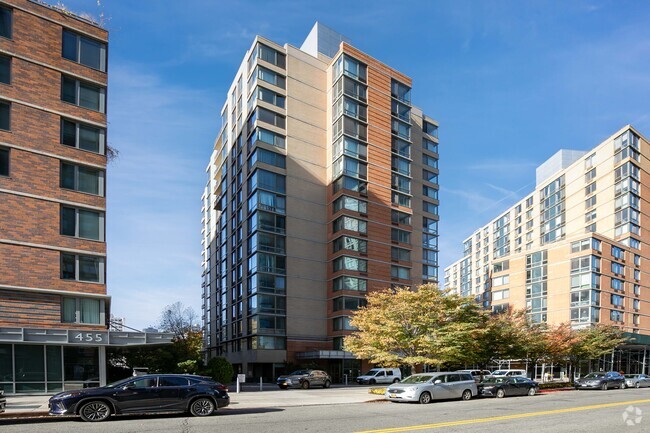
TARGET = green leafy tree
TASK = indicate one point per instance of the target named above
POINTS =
(220, 369)
(411, 327)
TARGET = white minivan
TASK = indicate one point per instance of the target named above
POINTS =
(380, 375)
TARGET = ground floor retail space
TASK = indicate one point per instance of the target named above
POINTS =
(34, 361)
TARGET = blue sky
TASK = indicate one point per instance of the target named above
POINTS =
(510, 82)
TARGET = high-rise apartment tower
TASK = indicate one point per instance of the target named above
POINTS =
(323, 186)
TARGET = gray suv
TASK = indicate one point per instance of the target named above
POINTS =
(304, 379)
(426, 387)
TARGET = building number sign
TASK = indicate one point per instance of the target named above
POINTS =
(88, 337)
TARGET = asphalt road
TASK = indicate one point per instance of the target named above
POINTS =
(570, 412)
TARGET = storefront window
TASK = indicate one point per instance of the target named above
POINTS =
(81, 364)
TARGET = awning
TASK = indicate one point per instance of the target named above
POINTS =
(82, 337)
(325, 354)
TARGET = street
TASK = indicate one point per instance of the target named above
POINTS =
(568, 411)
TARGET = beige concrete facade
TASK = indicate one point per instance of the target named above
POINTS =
(597, 213)
(328, 136)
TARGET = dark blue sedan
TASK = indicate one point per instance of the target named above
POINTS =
(200, 396)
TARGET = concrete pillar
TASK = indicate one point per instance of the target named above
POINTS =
(102, 366)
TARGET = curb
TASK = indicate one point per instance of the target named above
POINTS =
(548, 391)
(17, 415)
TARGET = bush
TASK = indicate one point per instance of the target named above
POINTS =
(220, 370)
(553, 385)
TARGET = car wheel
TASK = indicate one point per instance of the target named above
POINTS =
(425, 398)
(531, 391)
(95, 411)
(623, 385)
(202, 407)
(372, 381)
(604, 386)
(501, 393)
(327, 384)
(637, 385)
(467, 395)
(395, 380)
(305, 384)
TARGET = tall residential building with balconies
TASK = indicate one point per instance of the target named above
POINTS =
(574, 250)
(322, 186)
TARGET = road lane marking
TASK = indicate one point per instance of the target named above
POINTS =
(504, 417)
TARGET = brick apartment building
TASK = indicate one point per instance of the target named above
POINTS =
(322, 187)
(54, 307)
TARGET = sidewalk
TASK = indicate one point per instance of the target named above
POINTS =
(30, 406)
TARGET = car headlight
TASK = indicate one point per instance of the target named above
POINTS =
(67, 395)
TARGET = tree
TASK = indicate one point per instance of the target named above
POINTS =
(596, 341)
(220, 369)
(411, 327)
(178, 320)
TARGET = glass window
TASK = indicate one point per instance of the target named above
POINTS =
(430, 128)
(268, 137)
(82, 136)
(400, 217)
(402, 236)
(350, 264)
(400, 254)
(267, 157)
(400, 272)
(84, 50)
(348, 223)
(83, 94)
(400, 91)
(270, 55)
(350, 283)
(5, 69)
(82, 223)
(5, 115)
(83, 179)
(4, 162)
(81, 310)
(350, 203)
(5, 22)
(82, 268)
(350, 243)
(348, 303)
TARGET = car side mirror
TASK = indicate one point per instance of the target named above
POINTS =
(437, 381)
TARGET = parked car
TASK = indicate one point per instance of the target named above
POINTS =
(380, 375)
(637, 380)
(478, 375)
(3, 401)
(611, 379)
(198, 395)
(509, 373)
(507, 386)
(305, 379)
(426, 387)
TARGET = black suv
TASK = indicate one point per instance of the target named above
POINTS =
(201, 396)
(305, 379)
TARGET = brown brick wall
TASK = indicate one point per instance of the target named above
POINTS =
(34, 220)
(40, 175)
(39, 268)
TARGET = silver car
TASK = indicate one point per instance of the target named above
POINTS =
(637, 380)
(426, 387)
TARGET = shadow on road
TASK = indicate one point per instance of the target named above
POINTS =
(118, 418)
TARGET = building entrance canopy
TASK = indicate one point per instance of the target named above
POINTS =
(82, 337)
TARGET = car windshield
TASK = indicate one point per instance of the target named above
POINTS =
(371, 372)
(300, 372)
(594, 375)
(494, 380)
(500, 373)
(418, 378)
(631, 376)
